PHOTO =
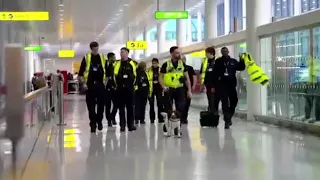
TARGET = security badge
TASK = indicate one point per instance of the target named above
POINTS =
(95, 68)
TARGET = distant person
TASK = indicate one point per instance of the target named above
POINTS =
(41, 81)
(225, 83)
(193, 82)
(153, 73)
(143, 91)
(125, 74)
(60, 75)
(92, 74)
(33, 82)
(111, 97)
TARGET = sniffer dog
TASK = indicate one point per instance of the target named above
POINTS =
(172, 124)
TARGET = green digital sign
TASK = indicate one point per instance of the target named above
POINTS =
(33, 48)
(171, 15)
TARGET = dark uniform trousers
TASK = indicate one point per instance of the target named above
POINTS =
(176, 95)
(125, 102)
(111, 100)
(141, 98)
(95, 99)
(229, 99)
(211, 100)
(156, 94)
(187, 104)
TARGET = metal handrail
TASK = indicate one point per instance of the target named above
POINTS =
(34, 94)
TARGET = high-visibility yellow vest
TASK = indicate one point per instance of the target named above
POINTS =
(173, 75)
(204, 69)
(150, 83)
(257, 75)
(314, 70)
(116, 68)
(88, 64)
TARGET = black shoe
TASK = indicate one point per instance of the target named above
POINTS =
(100, 126)
(122, 129)
(184, 121)
(114, 122)
(109, 124)
(136, 121)
(161, 121)
(227, 126)
(142, 122)
(93, 127)
(152, 121)
(132, 128)
(164, 128)
(175, 131)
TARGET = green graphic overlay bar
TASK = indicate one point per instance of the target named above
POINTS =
(33, 48)
(171, 14)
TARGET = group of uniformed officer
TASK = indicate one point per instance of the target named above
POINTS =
(125, 85)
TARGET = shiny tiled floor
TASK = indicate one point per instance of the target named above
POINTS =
(248, 151)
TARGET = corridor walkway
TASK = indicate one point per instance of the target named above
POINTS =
(248, 151)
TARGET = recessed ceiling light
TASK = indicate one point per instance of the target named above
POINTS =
(117, 14)
(61, 10)
(121, 10)
(61, 5)
(126, 5)
(45, 44)
(61, 14)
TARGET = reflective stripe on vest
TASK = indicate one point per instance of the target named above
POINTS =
(88, 64)
(257, 75)
(173, 75)
(116, 68)
(204, 69)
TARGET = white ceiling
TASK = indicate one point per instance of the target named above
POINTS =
(106, 21)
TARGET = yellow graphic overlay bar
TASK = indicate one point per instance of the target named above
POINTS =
(137, 45)
(66, 53)
(24, 16)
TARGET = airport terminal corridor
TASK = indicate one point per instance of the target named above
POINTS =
(248, 151)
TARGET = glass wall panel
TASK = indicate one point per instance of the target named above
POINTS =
(308, 5)
(294, 89)
(153, 34)
(283, 8)
(242, 80)
(236, 12)
(220, 16)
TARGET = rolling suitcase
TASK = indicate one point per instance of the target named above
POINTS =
(209, 119)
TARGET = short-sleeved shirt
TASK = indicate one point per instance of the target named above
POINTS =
(175, 65)
(191, 73)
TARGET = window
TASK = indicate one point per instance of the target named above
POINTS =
(308, 5)
(283, 8)
(235, 11)
(220, 24)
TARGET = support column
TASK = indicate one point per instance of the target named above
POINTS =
(189, 27)
(226, 17)
(210, 19)
(181, 32)
(258, 13)
(161, 32)
(199, 26)
(145, 38)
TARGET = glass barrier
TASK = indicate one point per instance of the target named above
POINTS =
(41, 106)
(292, 62)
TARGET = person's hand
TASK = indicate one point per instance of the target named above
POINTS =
(165, 89)
(85, 87)
(213, 90)
(189, 94)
